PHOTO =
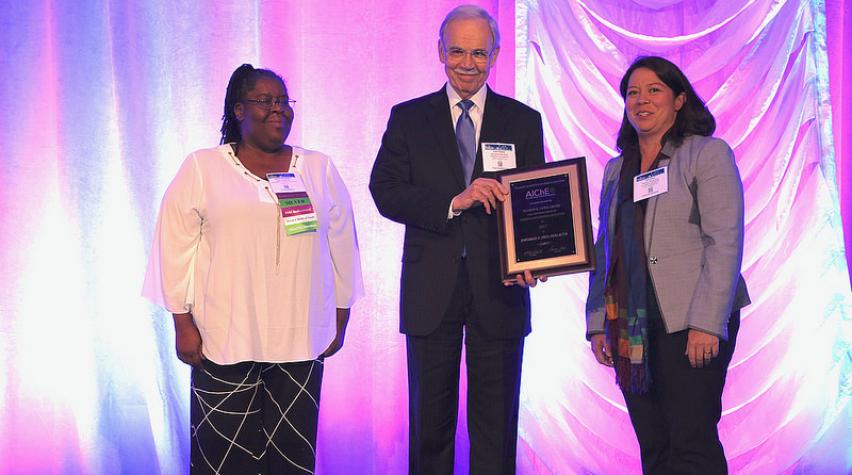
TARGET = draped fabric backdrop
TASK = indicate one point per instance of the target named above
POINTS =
(761, 66)
(102, 100)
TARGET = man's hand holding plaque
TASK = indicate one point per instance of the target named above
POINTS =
(487, 192)
(483, 191)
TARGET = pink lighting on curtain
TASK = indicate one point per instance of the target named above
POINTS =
(101, 100)
(838, 14)
(762, 68)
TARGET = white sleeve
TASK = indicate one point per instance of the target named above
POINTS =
(343, 242)
(170, 275)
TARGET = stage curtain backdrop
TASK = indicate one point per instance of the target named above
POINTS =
(101, 101)
(761, 66)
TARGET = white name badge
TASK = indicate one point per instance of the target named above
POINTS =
(285, 183)
(498, 156)
(652, 183)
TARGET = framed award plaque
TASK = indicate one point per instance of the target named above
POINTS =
(545, 223)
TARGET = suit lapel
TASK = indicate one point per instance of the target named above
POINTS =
(493, 126)
(650, 212)
(440, 120)
(651, 209)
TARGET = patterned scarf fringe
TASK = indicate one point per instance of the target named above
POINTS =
(631, 376)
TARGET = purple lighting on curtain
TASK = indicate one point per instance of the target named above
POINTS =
(761, 66)
(102, 100)
(838, 32)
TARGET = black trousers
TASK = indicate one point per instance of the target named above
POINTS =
(493, 379)
(676, 422)
(257, 418)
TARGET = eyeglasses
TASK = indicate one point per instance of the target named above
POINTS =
(267, 102)
(458, 54)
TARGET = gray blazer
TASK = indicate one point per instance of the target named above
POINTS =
(693, 239)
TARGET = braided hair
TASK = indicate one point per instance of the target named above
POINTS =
(242, 81)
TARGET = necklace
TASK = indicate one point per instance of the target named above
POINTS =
(237, 162)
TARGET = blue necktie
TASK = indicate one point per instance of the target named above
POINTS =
(466, 138)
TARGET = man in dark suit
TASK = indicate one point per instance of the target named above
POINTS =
(432, 175)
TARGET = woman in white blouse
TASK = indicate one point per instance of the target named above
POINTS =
(256, 257)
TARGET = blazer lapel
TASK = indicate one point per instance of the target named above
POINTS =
(651, 210)
(440, 120)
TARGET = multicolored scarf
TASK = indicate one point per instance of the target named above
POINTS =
(626, 292)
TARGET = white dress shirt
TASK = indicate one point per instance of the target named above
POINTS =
(476, 112)
(221, 252)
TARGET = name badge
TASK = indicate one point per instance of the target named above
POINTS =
(498, 156)
(651, 183)
(295, 204)
(285, 183)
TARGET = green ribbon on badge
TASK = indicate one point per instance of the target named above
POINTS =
(298, 213)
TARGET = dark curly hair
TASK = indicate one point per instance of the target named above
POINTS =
(692, 119)
(242, 81)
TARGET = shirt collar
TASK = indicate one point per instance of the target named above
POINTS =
(478, 98)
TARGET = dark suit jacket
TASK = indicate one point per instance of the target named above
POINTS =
(416, 174)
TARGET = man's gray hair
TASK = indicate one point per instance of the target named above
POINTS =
(467, 12)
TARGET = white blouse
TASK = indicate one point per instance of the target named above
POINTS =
(220, 251)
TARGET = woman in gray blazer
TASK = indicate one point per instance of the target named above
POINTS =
(663, 305)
